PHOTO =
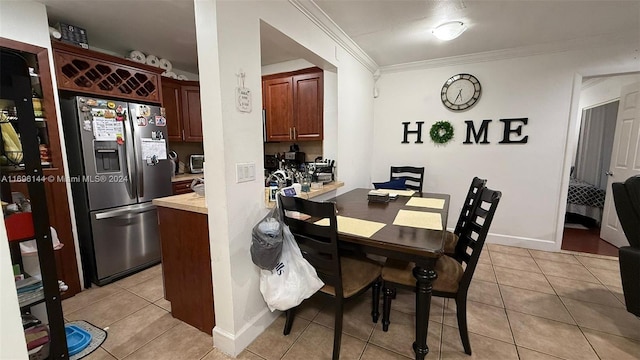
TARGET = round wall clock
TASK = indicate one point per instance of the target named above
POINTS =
(461, 92)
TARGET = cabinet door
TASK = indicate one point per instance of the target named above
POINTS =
(191, 116)
(308, 104)
(181, 187)
(278, 105)
(171, 103)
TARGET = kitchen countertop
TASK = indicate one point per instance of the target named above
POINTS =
(187, 202)
(186, 176)
(311, 194)
(195, 203)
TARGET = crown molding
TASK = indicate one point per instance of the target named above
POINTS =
(311, 10)
(548, 48)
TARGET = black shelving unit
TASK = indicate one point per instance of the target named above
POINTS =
(15, 85)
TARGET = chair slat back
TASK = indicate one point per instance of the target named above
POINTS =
(475, 190)
(414, 176)
(318, 244)
(474, 234)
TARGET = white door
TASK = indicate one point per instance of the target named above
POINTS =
(625, 160)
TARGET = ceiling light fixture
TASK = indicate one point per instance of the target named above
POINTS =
(449, 30)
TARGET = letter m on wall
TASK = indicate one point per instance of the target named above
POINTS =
(477, 135)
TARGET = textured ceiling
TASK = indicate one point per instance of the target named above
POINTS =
(398, 32)
(390, 31)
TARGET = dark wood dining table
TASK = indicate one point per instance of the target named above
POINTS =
(418, 245)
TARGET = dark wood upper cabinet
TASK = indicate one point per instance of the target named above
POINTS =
(278, 105)
(171, 97)
(191, 115)
(293, 104)
(181, 101)
(308, 104)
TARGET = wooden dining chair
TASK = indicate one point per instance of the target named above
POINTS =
(453, 278)
(413, 176)
(344, 277)
(451, 238)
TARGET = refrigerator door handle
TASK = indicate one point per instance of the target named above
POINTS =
(128, 151)
(130, 210)
(140, 179)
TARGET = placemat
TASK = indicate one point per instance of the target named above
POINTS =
(354, 226)
(419, 219)
(426, 202)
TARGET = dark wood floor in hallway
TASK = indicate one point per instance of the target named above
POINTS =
(587, 240)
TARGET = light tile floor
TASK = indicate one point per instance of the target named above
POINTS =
(523, 304)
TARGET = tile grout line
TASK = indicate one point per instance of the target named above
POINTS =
(575, 256)
(107, 351)
(159, 335)
(150, 303)
(602, 283)
(297, 337)
(567, 309)
(513, 337)
(444, 306)
(249, 351)
(94, 302)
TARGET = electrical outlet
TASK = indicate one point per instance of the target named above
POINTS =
(245, 172)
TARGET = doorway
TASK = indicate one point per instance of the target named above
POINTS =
(590, 171)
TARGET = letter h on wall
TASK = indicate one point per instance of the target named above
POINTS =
(418, 132)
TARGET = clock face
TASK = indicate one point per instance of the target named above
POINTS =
(460, 92)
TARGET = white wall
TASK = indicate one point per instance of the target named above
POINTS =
(232, 137)
(605, 90)
(530, 176)
(25, 22)
(600, 91)
(286, 66)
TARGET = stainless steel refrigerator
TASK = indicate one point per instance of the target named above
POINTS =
(118, 163)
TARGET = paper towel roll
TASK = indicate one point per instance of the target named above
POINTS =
(54, 33)
(170, 74)
(165, 64)
(137, 56)
(153, 60)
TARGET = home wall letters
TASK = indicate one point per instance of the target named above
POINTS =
(511, 128)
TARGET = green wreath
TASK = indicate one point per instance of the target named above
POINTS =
(441, 132)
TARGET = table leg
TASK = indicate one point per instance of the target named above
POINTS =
(425, 278)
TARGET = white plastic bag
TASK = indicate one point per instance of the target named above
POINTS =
(292, 280)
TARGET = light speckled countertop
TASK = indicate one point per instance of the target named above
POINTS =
(308, 195)
(187, 202)
(194, 203)
(183, 177)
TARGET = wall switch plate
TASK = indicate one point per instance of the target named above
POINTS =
(245, 172)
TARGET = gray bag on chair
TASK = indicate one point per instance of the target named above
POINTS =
(266, 241)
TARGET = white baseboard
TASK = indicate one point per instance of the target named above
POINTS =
(529, 243)
(233, 344)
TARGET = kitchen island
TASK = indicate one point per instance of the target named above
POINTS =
(326, 188)
(186, 259)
